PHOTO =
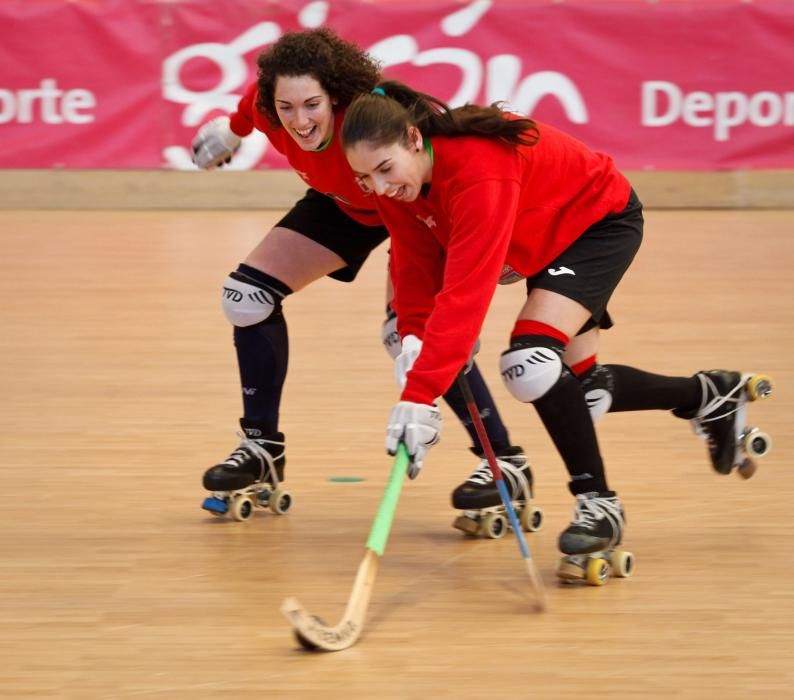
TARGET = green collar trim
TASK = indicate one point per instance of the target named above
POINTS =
(325, 145)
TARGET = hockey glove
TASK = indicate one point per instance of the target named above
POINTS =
(418, 426)
(215, 144)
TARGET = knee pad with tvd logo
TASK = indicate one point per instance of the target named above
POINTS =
(532, 366)
(598, 386)
(250, 296)
(389, 335)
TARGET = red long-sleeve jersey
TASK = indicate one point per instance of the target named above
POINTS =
(327, 171)
(492, 209)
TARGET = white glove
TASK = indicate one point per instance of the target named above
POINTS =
(215, 144)
(418, 426)
(411, 347)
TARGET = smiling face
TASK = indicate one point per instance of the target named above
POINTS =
(396, 170)
(304, 109)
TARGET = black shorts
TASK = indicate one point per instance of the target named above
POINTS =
(589, 271)
(317, 217)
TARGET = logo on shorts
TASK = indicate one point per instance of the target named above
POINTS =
(560, 271)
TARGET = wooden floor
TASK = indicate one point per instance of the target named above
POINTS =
(119, 388)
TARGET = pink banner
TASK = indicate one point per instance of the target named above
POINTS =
(667, 85)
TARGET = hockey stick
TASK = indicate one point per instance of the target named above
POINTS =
(534, 577)
(311, 631)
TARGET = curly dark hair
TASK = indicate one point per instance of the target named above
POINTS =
(343, 69)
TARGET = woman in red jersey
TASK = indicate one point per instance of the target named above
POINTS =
(306, 82)
(474, 197)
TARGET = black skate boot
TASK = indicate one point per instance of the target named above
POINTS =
(478, 497)
(721, 419)
(590, 541)
(249, 477)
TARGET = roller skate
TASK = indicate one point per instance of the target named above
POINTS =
(721, 420)
(590, 541)
(250, 477)
(478, 497)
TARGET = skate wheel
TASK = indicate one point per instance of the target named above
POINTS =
(747, 468)
(467, 525)
(493, 526)
(756, 443)
(280, 501)
(242, 507)
(759, 386)
(622, 563)
(569, 571)
(597, 572)
(531, 519)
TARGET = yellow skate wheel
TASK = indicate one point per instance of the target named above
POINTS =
(756, 443)
(468, 525)
(531, 519)
(597, 572)
(622, 563)
(759, 386)
(747, 468)
(569, 571)
(241, 508)
(279, 501)
(493, 526)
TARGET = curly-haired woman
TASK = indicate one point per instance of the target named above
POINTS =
(305, 83)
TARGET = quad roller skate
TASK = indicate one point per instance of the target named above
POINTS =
(250, 477)
(722, 420)
(590, 541)
(478, 497)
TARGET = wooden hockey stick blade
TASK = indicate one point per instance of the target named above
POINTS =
(313, 633)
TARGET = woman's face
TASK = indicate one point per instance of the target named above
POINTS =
(395, 170)
(304, 109)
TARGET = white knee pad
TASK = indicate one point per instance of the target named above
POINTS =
(390, 337)
(247, 302)
(529, 373)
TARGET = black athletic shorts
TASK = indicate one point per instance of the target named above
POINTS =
(589, 271)
(317, 217)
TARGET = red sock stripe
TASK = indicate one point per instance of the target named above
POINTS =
(538, 328)
(581, 367)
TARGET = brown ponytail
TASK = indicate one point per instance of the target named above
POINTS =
(383, 117)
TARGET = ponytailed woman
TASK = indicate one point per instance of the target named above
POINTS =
(475, 197)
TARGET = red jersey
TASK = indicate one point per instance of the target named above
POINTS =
(493, 210)
(327, 171)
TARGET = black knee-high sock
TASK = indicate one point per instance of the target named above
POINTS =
(564, 413)
(635, 390)
(494, 427)
(262, 353)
